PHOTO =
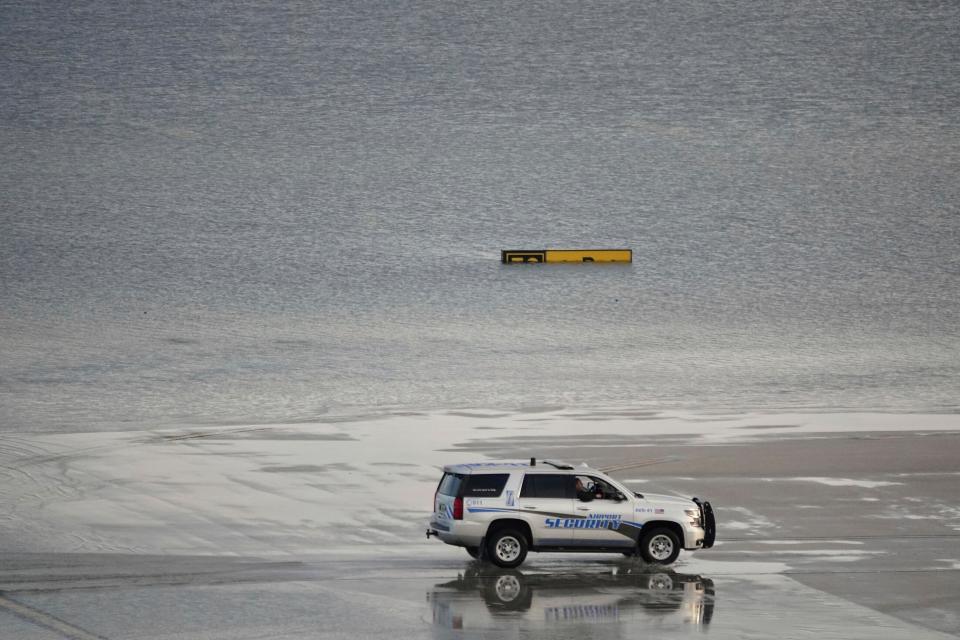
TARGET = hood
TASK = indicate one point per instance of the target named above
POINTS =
(662, 499)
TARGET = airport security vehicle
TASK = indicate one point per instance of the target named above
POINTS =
(501, 510)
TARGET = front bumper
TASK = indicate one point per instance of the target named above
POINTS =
(709, 523)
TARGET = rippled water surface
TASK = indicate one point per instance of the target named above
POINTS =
(261, 211)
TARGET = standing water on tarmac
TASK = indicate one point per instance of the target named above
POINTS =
(253, 211)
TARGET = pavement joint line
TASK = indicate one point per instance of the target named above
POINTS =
(46, 620)
(704, 574)
(75, 633)
(326, 578)
(840, 538)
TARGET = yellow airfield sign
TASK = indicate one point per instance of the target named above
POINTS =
(565, 255)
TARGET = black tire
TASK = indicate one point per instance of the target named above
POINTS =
(659, 546)
(474, 552)
(507, 548)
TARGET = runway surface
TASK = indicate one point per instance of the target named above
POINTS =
(829, 527)
(447, 596)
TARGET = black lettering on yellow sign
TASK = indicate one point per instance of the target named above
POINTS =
(567, 255)
(518, 257)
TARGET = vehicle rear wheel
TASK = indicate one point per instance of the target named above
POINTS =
(660, 546)
(507, 548)
(473, 551)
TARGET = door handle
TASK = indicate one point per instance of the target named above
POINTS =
(583, 508)
(529, 506)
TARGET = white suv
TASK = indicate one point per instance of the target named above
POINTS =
(501, 510)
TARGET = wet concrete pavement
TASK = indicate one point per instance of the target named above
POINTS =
(283, 532)
(109, 597)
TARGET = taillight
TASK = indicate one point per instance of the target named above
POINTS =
(458, 509)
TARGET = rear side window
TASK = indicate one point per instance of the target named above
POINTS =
(547, 485)
(487, 485)
(450, 484)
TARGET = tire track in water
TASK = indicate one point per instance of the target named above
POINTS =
(35, 478)
(45, 620)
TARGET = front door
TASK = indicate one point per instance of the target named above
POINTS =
(606, 521)
(547, 500)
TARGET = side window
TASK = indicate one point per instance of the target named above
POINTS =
(450, 484)
(487, 485)
(528, 490)
(597, 488)
(547, 485)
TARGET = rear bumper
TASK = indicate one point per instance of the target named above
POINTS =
(458, 533)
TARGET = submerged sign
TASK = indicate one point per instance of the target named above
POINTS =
(521, 256)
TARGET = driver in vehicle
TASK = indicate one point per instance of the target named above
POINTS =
(587, 492)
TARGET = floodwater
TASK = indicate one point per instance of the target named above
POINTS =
(247, 212)
(251, 299)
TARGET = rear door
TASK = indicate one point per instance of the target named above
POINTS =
(447, 492)
(547, 501)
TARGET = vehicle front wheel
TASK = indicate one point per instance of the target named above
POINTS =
(507, 548)
(660, 546)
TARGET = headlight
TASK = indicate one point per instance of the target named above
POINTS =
(694, 515)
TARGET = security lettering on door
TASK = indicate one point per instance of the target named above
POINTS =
(592, 521)
(609, 518)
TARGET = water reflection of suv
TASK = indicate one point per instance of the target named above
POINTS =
(484, 595)
(501, 510)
